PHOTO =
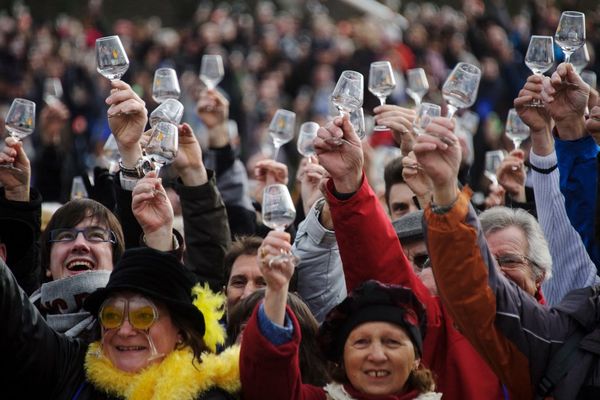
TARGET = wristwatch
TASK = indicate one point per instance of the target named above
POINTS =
(142, 166)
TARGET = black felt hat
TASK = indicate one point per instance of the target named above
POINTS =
(409, 227)
(370, 302)
(156, 274)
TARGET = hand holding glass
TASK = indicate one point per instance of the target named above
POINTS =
(111, 59)
(425, 113)
(417, 85)
(570, 33)
(281, 128)
(460, 89)
(211, 70)
(516, 129)
(166, 85)
(493, 159)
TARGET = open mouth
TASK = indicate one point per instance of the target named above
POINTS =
(80, 266)
(130, 348)
(378, 374)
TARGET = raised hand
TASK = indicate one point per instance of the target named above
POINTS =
(416, 179)
(127, 118)
(310, 175)
(269, 172)
(339, 151)
(153, 211)
(188, 164)
(213, 109)
(593, 124)
(439, 153)
(15, 179)
(537, 118)
(277, 274)
(400, 120)
(566, 96)
(53, 119)
(495, 197)
(511, 175)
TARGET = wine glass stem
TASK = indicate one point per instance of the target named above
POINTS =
(567, 57)
(451, 111)
(517, 144)
(382, 100)
(276, 153)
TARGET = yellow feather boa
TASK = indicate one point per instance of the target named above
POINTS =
(176, 377)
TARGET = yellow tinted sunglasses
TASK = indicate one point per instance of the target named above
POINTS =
(141, 313)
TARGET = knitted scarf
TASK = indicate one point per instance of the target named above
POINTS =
(177, 377)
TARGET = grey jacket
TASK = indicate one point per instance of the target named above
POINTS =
(321, 282)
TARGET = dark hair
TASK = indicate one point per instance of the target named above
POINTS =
(73, 213)
(313, 366)
(243, 245)
(392, 174)
(190, 336)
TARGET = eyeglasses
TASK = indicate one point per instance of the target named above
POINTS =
(513, 261)
(141, 313)
(93, 234)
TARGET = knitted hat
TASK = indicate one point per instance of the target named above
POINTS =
(409, 227)
(372, 302)
(156, 274)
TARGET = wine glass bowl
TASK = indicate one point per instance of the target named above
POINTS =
(53, 90)
(493, 159)
(166, 85)
(278, 211)
(171, 110)
(381, 80)
(460, 89)
(211, 70)
(425, 113)
(306, 136)
(570, 33)
(516, 129)
(417, 84)
(580, 58)
(162, 146)
(539, 58)
(111, 59)
(20, 119)
(348, 93)
(281, 128)
(590, 78)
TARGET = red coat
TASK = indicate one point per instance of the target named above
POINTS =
(370, 249)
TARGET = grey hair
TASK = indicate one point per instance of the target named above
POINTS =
(497, 218)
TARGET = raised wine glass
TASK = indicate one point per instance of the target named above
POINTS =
(570, 33)
(111, 59)
(516, 129)
(460, 89)
(53, 90)
(78, 190)
(110, 151)
(417, 84)
(306, 136)
(211, 70)
(493, 159)
(539, 58)
(425, 113)
(278, 212)
(381, 83)
(166, 85)
(171, 110)
(349, 92)
(281, 128)
(20, 119)
(162, 147)
(580, 59)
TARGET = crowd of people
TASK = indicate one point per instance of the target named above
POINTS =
(405, 275)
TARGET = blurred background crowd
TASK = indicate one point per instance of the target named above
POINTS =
(277, 54)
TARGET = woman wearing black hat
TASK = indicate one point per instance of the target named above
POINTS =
(159, 331)
(373, 340)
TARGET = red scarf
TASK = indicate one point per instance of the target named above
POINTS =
(361, 396)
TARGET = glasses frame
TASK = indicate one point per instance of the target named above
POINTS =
(126, 311)
(77, 231)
